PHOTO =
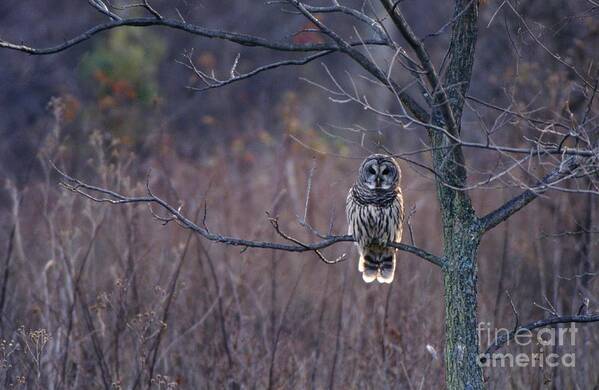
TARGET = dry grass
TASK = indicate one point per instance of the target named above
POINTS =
(104, 296)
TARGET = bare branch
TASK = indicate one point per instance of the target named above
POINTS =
(374, 24)
(505, 338)
(103, 9)
(275, 224)
(439, 94)
(494, 218)
(579, 276)
(102, 195)
(557, 57)
(514, 113)
(213, 82)
(241, 39)
(407, 101)
(144, 4)
(151, 9)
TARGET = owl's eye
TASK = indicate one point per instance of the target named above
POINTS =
(385, 171)
(371, 170)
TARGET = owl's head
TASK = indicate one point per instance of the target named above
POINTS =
(380, 172)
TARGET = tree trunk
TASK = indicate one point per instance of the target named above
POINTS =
(461, 229)
(461, 238)
(462, 370)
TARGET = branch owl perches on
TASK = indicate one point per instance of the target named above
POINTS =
(103, 195)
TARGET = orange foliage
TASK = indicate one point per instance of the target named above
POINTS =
(124, 89)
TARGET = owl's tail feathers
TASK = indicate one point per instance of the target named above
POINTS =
(379, 266)
(369, 267)
(386, 268)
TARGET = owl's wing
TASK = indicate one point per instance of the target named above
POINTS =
(399, 206)
(349, 211)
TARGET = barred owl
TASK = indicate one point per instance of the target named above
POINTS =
(375, 214)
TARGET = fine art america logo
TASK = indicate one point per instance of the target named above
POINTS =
(543, 343)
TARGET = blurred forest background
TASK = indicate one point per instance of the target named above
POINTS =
(95, 295)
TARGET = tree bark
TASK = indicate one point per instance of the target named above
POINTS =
(461, 237)
(462, 370)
